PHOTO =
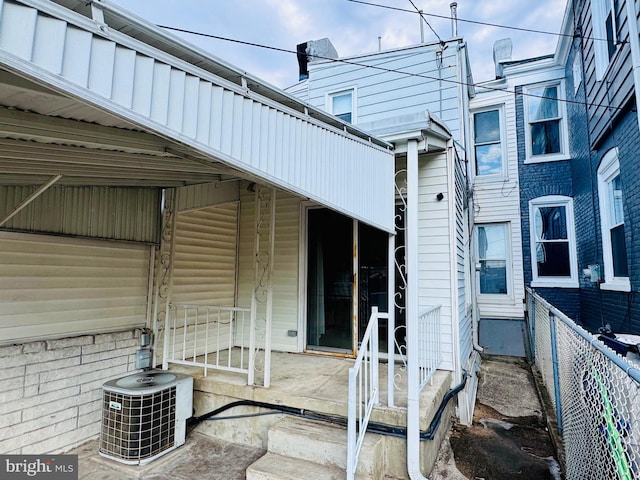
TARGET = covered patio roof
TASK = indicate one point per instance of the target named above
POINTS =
(91, 92)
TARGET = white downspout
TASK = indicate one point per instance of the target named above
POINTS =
(413, 395)
(466, 129)
(632, 21)
(453, 245)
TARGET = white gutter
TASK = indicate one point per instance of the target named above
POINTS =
(632, 21)
(413, 393)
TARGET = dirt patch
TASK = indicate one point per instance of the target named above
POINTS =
(497, 447)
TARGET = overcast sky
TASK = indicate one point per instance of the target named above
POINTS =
(352, 27)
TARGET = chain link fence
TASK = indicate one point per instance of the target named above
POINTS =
(595, 393)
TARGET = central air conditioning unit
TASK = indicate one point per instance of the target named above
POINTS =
(144, 415)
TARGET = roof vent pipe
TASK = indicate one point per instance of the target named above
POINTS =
(454, 19)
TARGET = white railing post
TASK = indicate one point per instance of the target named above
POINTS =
(351, 425)
(219, 337)
(391, 322)
(364, 391)
(167, 337)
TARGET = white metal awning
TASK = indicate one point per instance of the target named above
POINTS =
(165, 113)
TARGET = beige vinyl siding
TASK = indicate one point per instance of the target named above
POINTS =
(116, 213)
(205, 256)
(207, 194)
(285, 274)
(61, 287)
(204, 274)
(434, 261)
(499, 202)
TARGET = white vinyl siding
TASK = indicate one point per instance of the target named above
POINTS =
(285, 275)
(498, 202)
(434, 254)
(384, 93)
(462, 258)
(60, 287)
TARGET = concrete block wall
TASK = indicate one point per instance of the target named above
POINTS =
(51, 391)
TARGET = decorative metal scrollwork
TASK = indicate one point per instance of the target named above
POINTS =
(399, 296)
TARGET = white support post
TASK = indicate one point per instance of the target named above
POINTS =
(269, 320)
(391, 322)
(413, 392)
(254, 300)
(165, 272)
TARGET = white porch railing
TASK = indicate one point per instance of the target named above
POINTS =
(429, 353)
(211, 337)
(364, 391)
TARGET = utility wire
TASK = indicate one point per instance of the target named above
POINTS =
(425, 21)
(389, 70)
(477, 22)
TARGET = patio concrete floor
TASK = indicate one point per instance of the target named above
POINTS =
(508, 439)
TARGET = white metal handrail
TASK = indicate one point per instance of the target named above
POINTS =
(364, 390)
(211, 337)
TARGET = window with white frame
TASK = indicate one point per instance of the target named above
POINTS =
(553, 244)
(605, 33)
(614, 247)
(492, 244)
(546, 128)
(488, 153)
(342, 105)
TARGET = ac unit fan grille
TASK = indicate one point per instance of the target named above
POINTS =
(136, 427)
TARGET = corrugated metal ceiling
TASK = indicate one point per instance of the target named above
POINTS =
(86, 145)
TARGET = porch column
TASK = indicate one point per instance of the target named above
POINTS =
(412, 303)
(262, 298)
(164, 279)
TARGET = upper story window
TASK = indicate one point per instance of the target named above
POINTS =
(605, 33)
(553, 244)
(614, 248)
(488, 152)
(342, 105)
(546, 127)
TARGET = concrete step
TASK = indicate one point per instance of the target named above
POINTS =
(277, 467)
(325, 444)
